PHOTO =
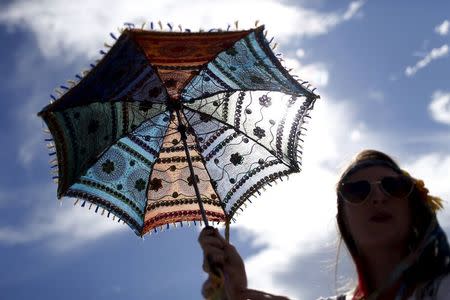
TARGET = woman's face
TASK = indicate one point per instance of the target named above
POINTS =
(381, 220)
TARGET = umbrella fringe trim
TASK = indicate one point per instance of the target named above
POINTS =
(107, 208)
(158, 222)
(181, 224)
(296, 131)
(261, 184)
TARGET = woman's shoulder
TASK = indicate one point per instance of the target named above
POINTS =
(438, 289)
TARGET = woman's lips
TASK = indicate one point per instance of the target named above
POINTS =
(381, 217)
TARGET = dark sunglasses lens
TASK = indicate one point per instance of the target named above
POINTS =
(355, 192)
(398, 187)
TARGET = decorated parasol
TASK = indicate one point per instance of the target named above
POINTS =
(173, 127)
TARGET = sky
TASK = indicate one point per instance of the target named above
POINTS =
(381, 68)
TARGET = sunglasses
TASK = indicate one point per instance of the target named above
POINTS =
(394, 186)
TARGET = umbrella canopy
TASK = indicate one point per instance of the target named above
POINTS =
(178, 126)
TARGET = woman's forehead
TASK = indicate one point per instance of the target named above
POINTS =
(371, 173)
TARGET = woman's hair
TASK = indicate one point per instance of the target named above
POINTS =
(422, 217)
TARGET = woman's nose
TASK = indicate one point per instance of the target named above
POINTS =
(377, 196)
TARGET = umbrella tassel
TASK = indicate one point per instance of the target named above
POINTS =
(274, 46)
(108, 214)
(170, 26)
(143, 25)
(103, 212)
(102, 52)
(181, 28)
(64, 87)
(160, 25)
(54, 161)
(83, 204)
(53, 97)
(113, 36)
(256, 23)
(129, 25)
(114, 218)
(90, 206)
(48, 140)
(106, 45)
(96, 210)
(92, 65)
(236, 24)
(151, 25)
(228, 28)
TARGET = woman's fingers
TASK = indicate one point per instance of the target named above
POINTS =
(211, 241)
(213, 261)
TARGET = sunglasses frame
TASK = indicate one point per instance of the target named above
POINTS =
(380, 186)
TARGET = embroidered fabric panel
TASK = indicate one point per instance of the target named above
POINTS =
(123, 74)
(179, 56)
(171, 194)
(248, 65)
(120, 176)
(272, 119)
(82, 133)
(237, 164)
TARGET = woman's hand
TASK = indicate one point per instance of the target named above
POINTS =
(219, 254)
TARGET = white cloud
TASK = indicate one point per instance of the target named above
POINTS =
(315, 73)
(440, 107)
(433, 168)
(67, 29)
(59, 225)
(434, 54)
(376, 95)
(442, 28)
(300, 53)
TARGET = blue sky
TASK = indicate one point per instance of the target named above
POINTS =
(382, 69)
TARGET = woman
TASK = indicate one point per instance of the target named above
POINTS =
(388, 222)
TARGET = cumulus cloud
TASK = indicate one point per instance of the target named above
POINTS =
(434, 54)
(59, 225)
(433, 169)
(67, 29)
(315, 73)
(442, 29)
(376, 95)
(439, 107)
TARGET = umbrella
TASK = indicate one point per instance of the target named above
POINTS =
(171, 127)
